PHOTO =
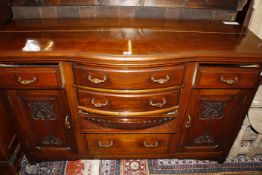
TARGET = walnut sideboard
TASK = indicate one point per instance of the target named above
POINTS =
(127, 88)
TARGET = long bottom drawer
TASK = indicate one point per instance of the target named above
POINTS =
(117, 144)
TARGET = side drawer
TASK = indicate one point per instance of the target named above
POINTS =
(30, 77)
(227, 77)
(128, 79)
(113, 144)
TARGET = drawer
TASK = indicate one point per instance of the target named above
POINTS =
(30, 77)
(132, 79)
(90, 121)
(110, 144)
(127, 102)
(227, 77)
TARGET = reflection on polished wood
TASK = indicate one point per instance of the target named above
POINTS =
(105, 40)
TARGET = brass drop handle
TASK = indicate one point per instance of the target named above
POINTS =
(96, 80)
(188, 122)
(81, 112)
(159, 105)
(67, 123)
(26, 82)
(109, 145)
(98, 105)
(161, 80)
(232, 81)
(156, 144)
(174, 113)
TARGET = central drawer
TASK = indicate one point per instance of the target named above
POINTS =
(127, 102)
(128, 79)
(110, 144)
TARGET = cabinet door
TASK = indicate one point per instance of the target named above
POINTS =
(211, 119)
(43, 120)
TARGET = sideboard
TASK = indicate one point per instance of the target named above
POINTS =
(127, 88)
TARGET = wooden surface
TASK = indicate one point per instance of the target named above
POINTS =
(30, 77)
(190, 81)
(10, 148)
(108, 40)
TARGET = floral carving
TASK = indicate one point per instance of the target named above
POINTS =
(212, 110)
(42, 110)
(50, 140)
(204, 139)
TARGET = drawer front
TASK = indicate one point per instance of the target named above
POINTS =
(127, 102)
(30, 77)
(127, 143)
(133, 79)
(100, 123)
(227, 77)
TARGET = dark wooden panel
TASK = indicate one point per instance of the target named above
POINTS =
(5, 12)
(216, 4)
(10, 149)
(156, 25)
(8, 137)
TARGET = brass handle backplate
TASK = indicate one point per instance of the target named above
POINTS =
(161, 80)
(26, 82)
(232, 81)
(100, 144)
(156, 144)
(67, 123)
(188, 122)
(98, 105)
(96, 80)
(159, 105)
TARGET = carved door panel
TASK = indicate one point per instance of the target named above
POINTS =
(210, 119)
(44, 121)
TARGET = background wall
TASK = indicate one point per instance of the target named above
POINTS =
(255, 24)
(177, 9)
